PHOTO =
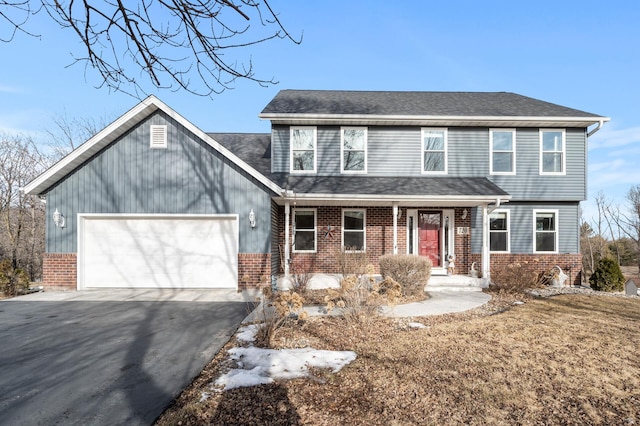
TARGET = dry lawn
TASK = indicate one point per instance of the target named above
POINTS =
(571, 359)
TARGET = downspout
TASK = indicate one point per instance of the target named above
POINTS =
(395, 228)
(598, 127)
(287, 254)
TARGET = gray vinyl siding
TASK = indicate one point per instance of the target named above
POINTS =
(521, 226)
(528, 184)
(275, 240)
(396, 151)
(189, 177)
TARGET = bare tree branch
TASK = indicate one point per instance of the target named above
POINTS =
(195, 45)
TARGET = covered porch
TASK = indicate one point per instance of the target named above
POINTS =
(438, 226)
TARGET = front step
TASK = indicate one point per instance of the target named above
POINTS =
(454, 283)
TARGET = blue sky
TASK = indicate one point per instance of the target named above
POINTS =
(580, 54)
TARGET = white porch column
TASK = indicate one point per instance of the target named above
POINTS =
(287, 211)
(395, 228)
(486, 260)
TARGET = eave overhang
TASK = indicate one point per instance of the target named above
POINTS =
(365, 200)
(430, 121)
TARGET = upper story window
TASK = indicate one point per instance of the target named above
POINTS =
(354, 149)
(552, 152)
(499, 231)
(503, 151)
(434, 151)
(353, 230)
(545, 231)
(303, 149)
(304, 230)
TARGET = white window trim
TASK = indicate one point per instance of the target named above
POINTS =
(446, 150)
(315, 149)
(158, 135)
(364, 230)
(564, 153)
(491, 151)
(557, 230)
(315, 230)
(342, 150)
(508, 231)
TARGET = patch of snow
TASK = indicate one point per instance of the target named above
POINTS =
(518, 302)
(259, 366)
(247, 334)
(204, 396)
(416, 325)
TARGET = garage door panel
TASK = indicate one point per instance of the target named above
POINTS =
(159, 252)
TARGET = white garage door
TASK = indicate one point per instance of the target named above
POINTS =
(171, 251)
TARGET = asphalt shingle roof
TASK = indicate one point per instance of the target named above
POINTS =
(446, 104)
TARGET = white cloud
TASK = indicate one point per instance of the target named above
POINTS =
(610, 137)
(9, 89)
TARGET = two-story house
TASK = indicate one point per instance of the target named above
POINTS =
(153, 201)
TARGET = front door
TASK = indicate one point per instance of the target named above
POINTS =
(429, 236)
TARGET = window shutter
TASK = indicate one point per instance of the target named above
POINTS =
(158, 136)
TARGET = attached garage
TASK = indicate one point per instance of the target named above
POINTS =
(157, 251)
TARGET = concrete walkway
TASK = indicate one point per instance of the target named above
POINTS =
(440, 302)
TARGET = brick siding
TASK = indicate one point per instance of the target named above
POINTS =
(59, 271)
(571, 263)
(254, 270)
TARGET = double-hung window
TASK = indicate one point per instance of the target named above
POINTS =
(499, 231)
(353, 230)
(303, 149)
(545, 231)
(503, 151)
(552, 152)
(354, 150)
(304, 230)
(434, 151)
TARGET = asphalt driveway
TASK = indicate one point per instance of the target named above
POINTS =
(104, 362)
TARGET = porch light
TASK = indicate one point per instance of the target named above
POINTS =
(464, 213)
(252, 219)
(58, 219)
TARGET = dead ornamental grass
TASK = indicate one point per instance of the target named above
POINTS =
(563, 360)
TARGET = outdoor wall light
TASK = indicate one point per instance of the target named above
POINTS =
(58, 219)
(464, 213)
(252, 219)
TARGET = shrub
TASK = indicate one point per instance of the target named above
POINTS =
(350, 262)
(278, 309)
(516, 277)
(607, 276)
(12, 281)
(412, 272)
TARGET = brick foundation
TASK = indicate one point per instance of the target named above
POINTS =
(254, 270)
(571, 263)
(59, 271)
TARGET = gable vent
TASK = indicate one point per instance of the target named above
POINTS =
(158, 136)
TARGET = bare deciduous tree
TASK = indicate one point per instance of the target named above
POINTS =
(69, 133)
(629, 220)
(195, 45)
(21, 215)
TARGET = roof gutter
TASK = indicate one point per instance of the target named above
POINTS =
(462, 118)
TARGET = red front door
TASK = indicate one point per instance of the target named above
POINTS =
(429, 229)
